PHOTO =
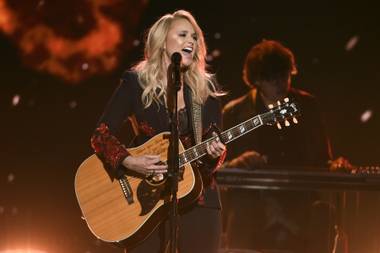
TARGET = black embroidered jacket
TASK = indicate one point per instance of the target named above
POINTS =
(125, 115)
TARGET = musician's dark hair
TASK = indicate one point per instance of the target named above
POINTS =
(268, 61)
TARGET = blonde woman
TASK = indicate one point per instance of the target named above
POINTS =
(141, 100)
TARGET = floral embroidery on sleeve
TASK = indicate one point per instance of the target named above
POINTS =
(108, 147)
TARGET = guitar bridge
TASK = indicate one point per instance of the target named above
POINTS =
(127, 190)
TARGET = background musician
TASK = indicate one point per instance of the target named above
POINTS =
(276, 220)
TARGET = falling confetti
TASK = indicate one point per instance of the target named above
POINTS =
(352, 42)
(73, 104)
(216, 53)
(40, 4)
(85, 66)
(14, 211)
(16, 100)
(136, 43)
(11, 178)
(366, 116)
(217, 36)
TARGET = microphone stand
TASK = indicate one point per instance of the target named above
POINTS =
(173, 86)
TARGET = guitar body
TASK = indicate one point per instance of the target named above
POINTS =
(128, 215)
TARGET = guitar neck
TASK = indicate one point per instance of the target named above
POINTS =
(227, 136)
(279, 113)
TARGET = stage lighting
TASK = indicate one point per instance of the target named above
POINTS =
(22, 251)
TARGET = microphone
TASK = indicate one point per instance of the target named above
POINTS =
(175, 69)
(174, 81)
(176, 58)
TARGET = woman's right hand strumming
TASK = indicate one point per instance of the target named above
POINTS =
(146, 164)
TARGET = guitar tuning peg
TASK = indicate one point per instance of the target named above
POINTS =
(270, 106)
(287, 123)
(279, 125)
(278, 102)
(286, 100)
(295, 121)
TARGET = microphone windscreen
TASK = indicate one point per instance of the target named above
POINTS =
(176, 58)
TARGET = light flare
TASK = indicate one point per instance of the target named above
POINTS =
(22, 251)
(8, 23)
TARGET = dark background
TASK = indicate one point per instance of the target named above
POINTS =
(46, 135)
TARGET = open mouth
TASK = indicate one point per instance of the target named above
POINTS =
(187, 50)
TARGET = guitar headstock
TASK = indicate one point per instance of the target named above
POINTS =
(283, 113)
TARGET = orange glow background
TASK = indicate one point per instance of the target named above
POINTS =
(44, 48)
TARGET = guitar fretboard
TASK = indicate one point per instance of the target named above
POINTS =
(227, 136)
(281, 112)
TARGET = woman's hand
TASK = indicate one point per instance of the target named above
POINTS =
(215, 148)
(146, 164)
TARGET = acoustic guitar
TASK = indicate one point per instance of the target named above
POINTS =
(127, 209)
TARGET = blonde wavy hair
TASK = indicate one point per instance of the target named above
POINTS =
(152, 72)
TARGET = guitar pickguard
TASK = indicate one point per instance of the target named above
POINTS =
(148, 195)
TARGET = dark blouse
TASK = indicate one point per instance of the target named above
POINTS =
(125, 106)
(184, 127)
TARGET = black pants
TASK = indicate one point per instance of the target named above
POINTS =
(199, 231)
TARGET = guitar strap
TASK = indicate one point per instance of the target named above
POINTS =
(196, 115)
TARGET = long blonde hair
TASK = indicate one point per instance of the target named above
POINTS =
(151, 70)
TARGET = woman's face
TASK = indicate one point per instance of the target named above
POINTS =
(181, 38)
